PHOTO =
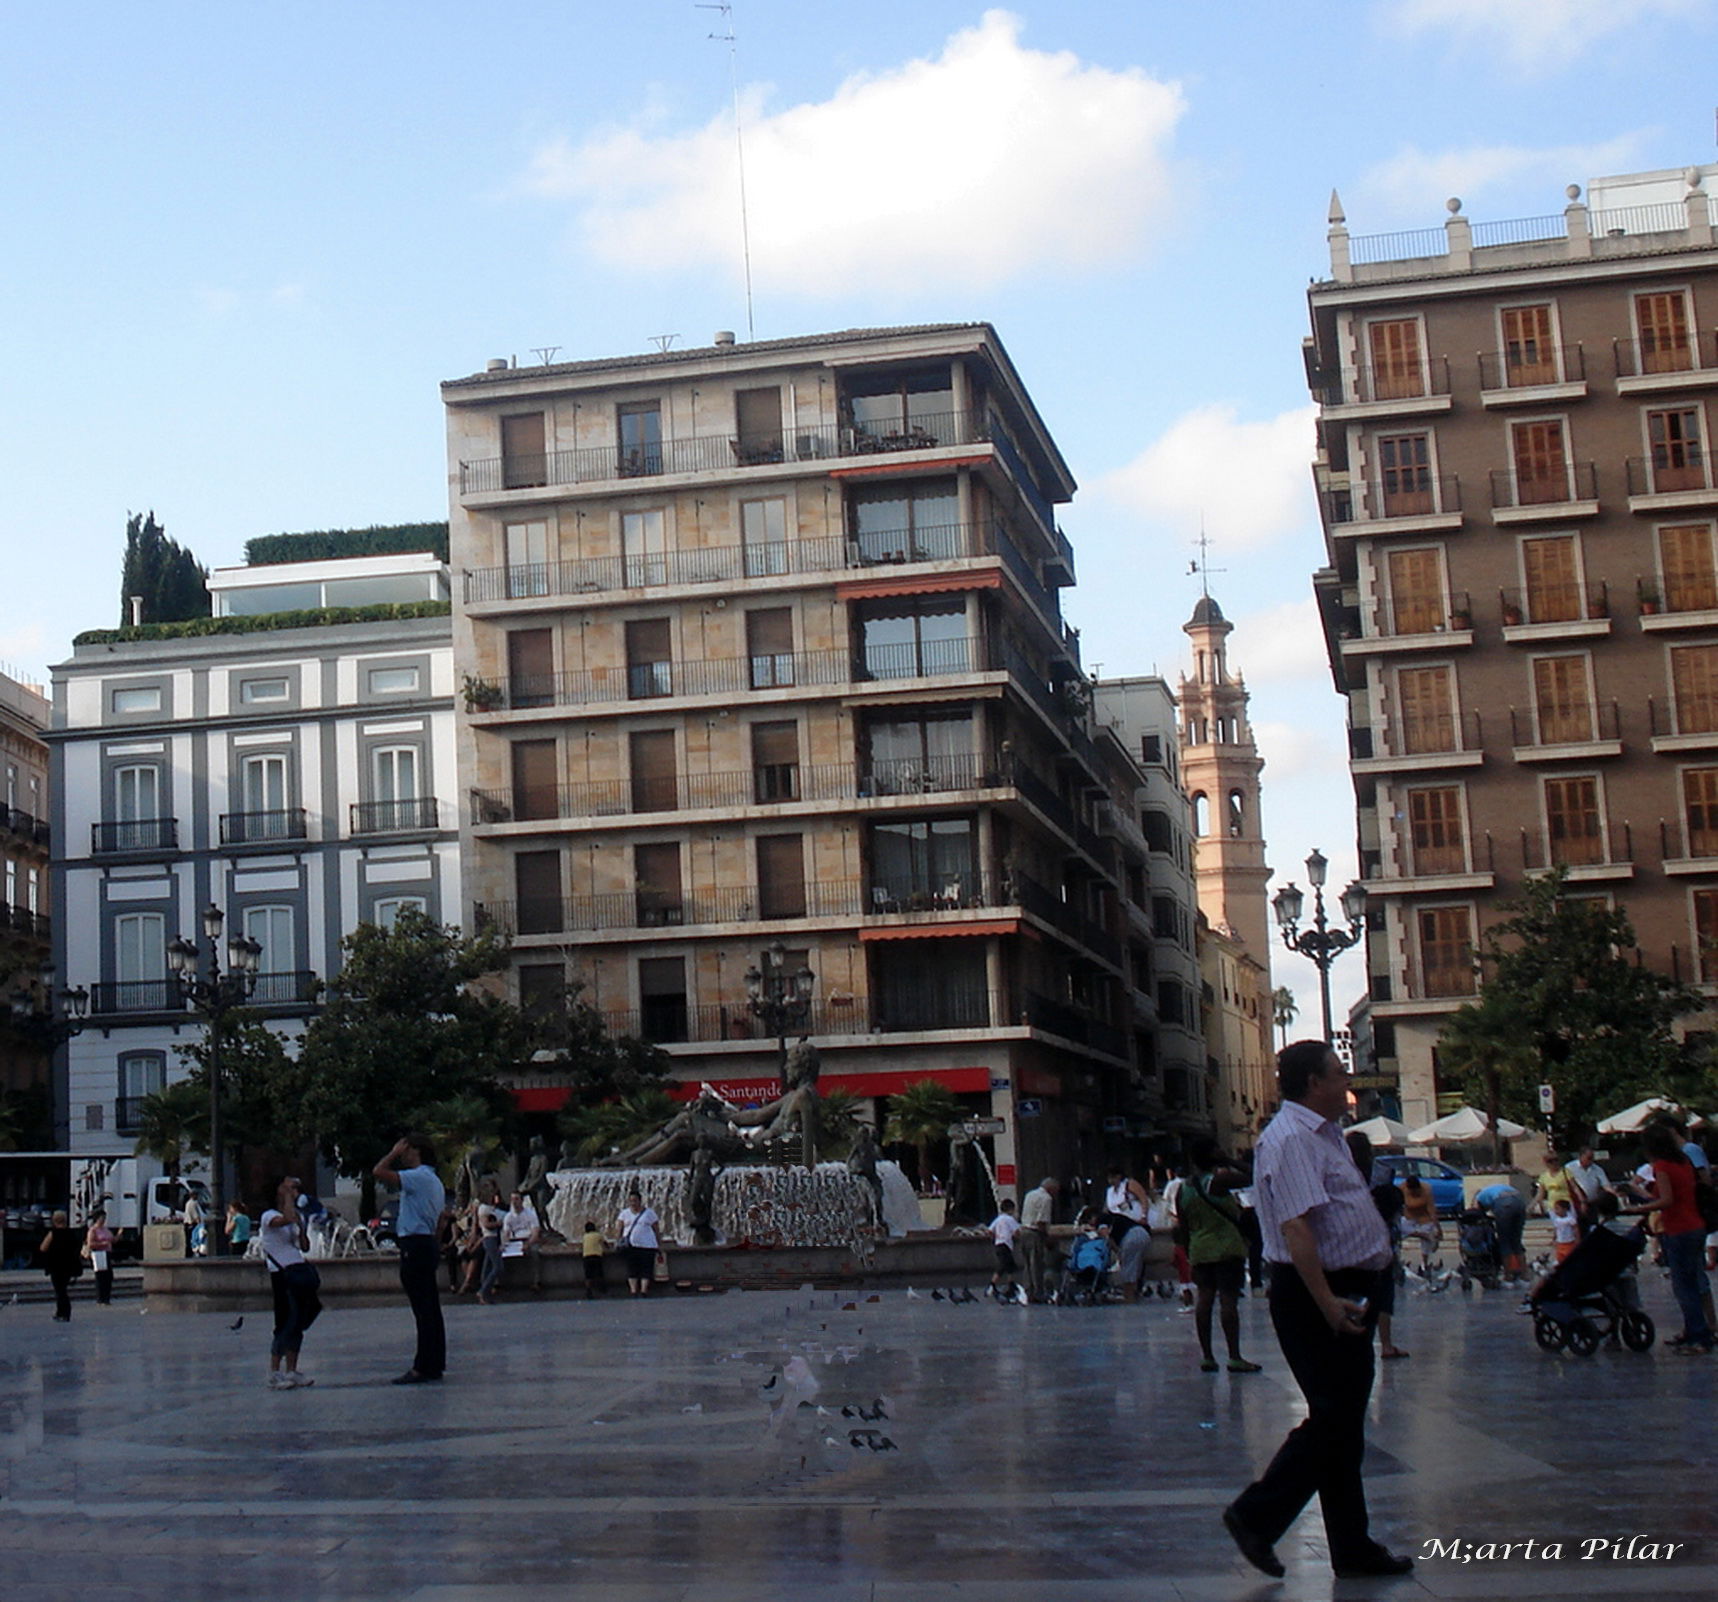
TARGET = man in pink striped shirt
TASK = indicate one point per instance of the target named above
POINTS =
(1328, 1249)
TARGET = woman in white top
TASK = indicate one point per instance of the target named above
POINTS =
(294, 1283)
(638, 1238)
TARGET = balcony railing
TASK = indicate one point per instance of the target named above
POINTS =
(396, 817)
(1566, 364)
(721, 453)
(135, 995)
(128, 1114)
(1513, 490)
(1688, 470)
(22, 921)
(1429, 734)
(1686, 839)
(136, 834)
(257, 828)
(1565, 725)
(1405, 617)
(1554, 603)
(25, 826)
(1692, 715)
(1405, 497)
(1697, 353)
(289, 988)
(1375, 382)
(1578, 844)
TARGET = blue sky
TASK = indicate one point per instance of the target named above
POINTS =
(245, 244)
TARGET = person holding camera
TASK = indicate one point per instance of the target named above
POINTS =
(294, 1283)
(410, 1168)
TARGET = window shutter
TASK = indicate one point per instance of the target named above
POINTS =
(1528, 357)
(1663, 323)
(537, 886)
(781, 875)
(1690, 583)
(655, 775)
(1553, 585)
(1694, 681)
(1416, 591)
(1560, 696)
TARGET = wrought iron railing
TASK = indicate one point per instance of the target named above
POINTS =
(134, 834)
(392, 817)
(255, 828)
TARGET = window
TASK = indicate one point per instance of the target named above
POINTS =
(140, 962)
(921, 753)
(527, 553)
(1562, 700)
(902, 409)
(923, 864)
(393, 680)
(769, 646)
(1416, 591)
(535, 775)
(915, 521)
(662, 998)
(142, 1074)
(1705, 904)
(537, 887)
(763, 531)
(644, 540)
(136, 799)
(530, 667)
(914, 637)
(757, 421)
(543, 999)
(1690, 575)
(272, 929)
(262, 783)
(655, 775)
(1159, 832)
(1446, 950)
(1529, 357)
(781, 875)
(639, 425)
(1405, 474)
(385, 913)
(775, 761)
(1573, 830)
(909, 993)
(1700, 808)
(656, 870)
(524, 459)
(1552, 570)
(1694, 687)
(649, 659)
(1396, 370)
(1435, 830)
(1663, 323)
(143, 698)
(1427, 701)
(259, 692)
(394, 773)
(1540, 460)
(1678, 453)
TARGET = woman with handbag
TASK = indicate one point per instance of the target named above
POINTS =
(294, 1282)
(61, 1257)
(638, 1238)
(98, 1253)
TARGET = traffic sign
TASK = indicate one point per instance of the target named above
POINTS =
(1547, 1098)
(974, 1127)
(1030, 1107)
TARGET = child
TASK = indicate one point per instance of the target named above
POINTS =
(1565, 1228)
(593, 1248)
(1003, 1228)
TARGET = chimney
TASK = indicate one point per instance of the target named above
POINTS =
(135, 602)
(724, 336)
(496, 364)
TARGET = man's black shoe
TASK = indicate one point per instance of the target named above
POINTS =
(1378, 1564)
(413, 1377)
(1254, 1548)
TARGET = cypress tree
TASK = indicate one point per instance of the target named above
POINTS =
(172, 583)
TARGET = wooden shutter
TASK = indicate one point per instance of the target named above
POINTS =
(1663, 323)
(769, 644)
(1541, 467)
(1694, 683)
(524, 459)
(537, 887)
(1428, 720)
(1416, 591)
(1572, 820)
(1405, 474)
(1553, 579)
(1690, 583)
(1678, 460)
(1446, 950)
(1528, 355)
(649, 658)
(1435, 829)
(531, 667)
(655, 775)
(1561, 701)
(758, 416)
(656, 870)
(1396, 372)
(781, 875)
(1706, 933)
(534, 779)
(775, 761)
(662, 998)
(1700, 808)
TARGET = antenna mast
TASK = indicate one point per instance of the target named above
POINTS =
(731, 39)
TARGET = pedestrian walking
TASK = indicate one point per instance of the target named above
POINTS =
(638, 1237)
(410, 1166)
(61, 1258)
(1328, 1249)
(238, 1229)
(1037, 1213)
(1004, 1227)
(1390, 1204)
(1216, 1253)
(98, 1253)
(293, 1282)
(489, 1217)
(1681, 1233)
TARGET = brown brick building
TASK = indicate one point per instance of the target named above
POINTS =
(1521, 602)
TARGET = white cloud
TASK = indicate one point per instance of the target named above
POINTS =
(1543, 34)
(958, 172)
(1301, 751)
(1285, 641)
(1249, 483)
(1417, 182)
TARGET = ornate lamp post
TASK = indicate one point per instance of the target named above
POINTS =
(41, 1014)
(779, 1000)
(1321, 943)
(215, 994)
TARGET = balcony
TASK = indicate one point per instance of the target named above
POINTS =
(1689, 601)
(136, 834)
(1672, 481)
(1517, 497)
(1409, 503)
(1387, 390)
(1687, 846)
(1555, 734)
(25, 923)
(722, 453)
(1689, 726)
(1554, 612)
(1434, 740)
(289, 988)
(25, 828)
(1597, 851)
(1532, 376)
(263, 828)
(414, 815)
(908, 1012)
(1653, 367)
(128, 1114)
(1422, 623)
(135, 996)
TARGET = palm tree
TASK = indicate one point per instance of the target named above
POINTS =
(173, 1122)
(920, 1114)
(837, 1123)
(1283, 1009)
(616, 1125)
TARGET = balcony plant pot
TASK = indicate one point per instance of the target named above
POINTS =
(1511, 617)
(1648, 605)
(1460, 621)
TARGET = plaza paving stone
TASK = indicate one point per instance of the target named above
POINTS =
(630, 1451)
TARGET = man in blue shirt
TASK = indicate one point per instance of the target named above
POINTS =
(1508, 1209)
(411, 1166)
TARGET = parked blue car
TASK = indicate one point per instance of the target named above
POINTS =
(1446, 1182)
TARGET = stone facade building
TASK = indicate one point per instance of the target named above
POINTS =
(25, 926)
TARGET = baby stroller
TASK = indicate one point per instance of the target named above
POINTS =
(1584, 1299)
(1479, 1256)
(1083, 1270)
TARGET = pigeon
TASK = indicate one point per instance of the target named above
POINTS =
(770, 1384)
(912, 1295)
(696, 1407)
(237, 1323)
(882, 1443)
(937, 1296)
(874, 1412)
(966, 1294)
(849, 1307)
(879, 1298)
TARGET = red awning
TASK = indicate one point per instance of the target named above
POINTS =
(939, 931)
(982, 578)
(899, 469)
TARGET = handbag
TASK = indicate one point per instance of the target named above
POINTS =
(661, 1269)
(301, 1276)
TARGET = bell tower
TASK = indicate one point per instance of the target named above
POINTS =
(1220, 768)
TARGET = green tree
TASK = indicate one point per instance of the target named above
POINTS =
(405, 1028)
(258, 1088)
(1283, 1009)
(837, 1124)
(26, 1118)
(167, 578)
(1562, 1003)
(919, 1115)
(174, 1122)
(608, 1126)
(572, 1034)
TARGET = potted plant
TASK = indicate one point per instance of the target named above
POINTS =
(1648, 600)
(1460, 617)
(1511, 614)
(482, 695)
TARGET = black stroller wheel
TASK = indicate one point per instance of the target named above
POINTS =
(1550, 1335)
(1637, 1331)
(1583, 1338)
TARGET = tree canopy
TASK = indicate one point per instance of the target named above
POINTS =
(1563, 1002)
(167, 578)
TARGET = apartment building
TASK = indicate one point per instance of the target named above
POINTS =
(24, 841)
(1521, 598)
(763, 647)
(293, 771)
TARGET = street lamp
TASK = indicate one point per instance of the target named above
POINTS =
(215, 994)
(1321, 943)
(42, 1015)
(779, 1000)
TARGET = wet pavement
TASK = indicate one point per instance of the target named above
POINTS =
(659, 1451)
